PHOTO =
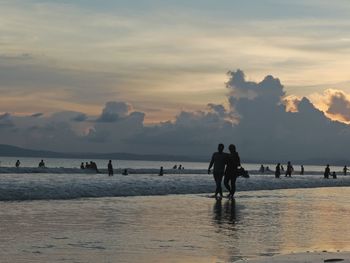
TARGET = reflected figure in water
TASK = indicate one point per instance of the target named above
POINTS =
(218, 159)
(225, 213)
(231, 171)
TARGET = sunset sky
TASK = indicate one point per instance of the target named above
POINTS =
(158, 60)
(164, 56)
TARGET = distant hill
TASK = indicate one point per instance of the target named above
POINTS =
(14, 151)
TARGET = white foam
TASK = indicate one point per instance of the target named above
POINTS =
(45, 185)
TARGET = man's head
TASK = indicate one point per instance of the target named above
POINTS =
(221, 147)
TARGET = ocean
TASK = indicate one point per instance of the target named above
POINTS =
(53, 216)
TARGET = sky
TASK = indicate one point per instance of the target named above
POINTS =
(110, 75)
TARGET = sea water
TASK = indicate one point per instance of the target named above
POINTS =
(176, 228)
(55, 216)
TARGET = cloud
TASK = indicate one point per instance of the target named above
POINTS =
(262, 127)
(339, 104)
(6, 120)
(37, 115)
(114, 111)
(80, 117)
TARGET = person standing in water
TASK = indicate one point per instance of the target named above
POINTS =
(18, 163)
(290, 169)
(110, 168)
(327, 172)
(231, 173)
(302, 170)
(345, 169)
(161, 171)
(219, 161)
(278, 170)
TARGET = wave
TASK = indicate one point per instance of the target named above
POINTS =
(47, 186)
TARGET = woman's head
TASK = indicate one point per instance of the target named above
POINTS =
(232, 148)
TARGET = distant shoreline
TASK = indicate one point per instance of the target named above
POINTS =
(18, 152)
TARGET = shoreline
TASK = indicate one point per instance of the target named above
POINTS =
(306, 257)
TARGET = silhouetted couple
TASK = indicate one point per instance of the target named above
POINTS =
(225, 165)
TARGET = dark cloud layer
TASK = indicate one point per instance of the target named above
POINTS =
(257, 121)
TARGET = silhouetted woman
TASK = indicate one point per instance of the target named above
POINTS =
(231, 172)
(278, 170)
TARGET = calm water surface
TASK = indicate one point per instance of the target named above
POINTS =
(183, 228)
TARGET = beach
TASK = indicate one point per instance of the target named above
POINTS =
(176, 228)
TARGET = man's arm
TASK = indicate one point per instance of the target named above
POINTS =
(211, 164)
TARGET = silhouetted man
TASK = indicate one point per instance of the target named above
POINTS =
(290, 170)
(278, 170)
(110, 168)
(218, 159)
(327, 172)
(41, 164)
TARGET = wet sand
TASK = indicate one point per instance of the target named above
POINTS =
(176, 228)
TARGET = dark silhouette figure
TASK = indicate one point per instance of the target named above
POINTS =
(41, 164)
(231, 173)
(327, 172)
(175, 166)
(278, 170)
(82, 166)
(302, 170)
(225, 213)
(93, 166)
(334, 175)
(125, 172)
(345, 169)
(282, 168)
(18, 163)
(110, 168)
(290, 170)
(262, 169)
(219, 161)
(161, 171)
(87, 165)
(267, 169)
(180, 167)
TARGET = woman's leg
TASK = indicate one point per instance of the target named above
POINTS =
(233, 185)
(227, 182)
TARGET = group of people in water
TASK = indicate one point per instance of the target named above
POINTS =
(288, 172)
(92, 166)
(180, 167)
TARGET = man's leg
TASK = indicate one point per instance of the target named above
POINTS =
(218, 179)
